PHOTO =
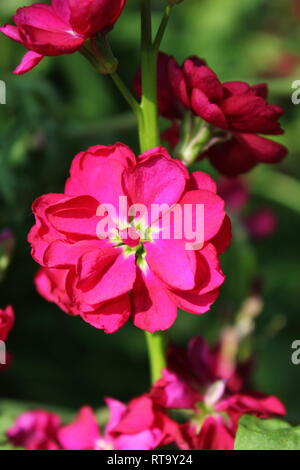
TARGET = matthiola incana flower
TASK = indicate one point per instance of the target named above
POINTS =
(196, 384)
(237, 114)
(60, 28)
(35, 430)
(143, 267)
(7, 319)
(140, 425)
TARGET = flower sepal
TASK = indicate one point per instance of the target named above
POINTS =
(97, 50)
(195, 134)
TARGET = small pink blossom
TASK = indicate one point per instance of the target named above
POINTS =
(35, 430)
(261, 224)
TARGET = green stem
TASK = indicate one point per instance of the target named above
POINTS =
(157, 353)
(125, 92)
(149, 138)
(162, 28)
(148, 119)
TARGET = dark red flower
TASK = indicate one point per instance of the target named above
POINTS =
(237, 112)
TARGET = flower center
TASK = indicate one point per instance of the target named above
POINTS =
(132, 238)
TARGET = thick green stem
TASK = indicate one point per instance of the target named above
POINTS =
(149, 138)
(157, 354)
(148, 120)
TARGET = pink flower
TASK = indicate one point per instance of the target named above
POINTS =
(147, 276)
(193, 382)
(51, 284)
(237, 112)
(139, 426)
(262, 223)
(7, 319)
(59, 28)
(35, 430)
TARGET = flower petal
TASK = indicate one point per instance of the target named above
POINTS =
(153, 309)
(30, 60)
(110, 316)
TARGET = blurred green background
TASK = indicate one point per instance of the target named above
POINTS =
(61, 108)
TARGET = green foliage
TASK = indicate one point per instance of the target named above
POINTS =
(266, 434)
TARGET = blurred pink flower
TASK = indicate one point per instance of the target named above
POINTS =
(7, 319)
(35, 430)
(193, 382)
(262, 223)
(138, 426)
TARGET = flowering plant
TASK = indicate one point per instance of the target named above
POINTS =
(137, 238)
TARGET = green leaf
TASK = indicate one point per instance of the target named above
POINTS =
(266, 434)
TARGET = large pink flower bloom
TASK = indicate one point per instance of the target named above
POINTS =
(140, 425)
(59, 28)
(7, 319)
(197, 381)
(238, 112)
(108, 280)
(35, 430)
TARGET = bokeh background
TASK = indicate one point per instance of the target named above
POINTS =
(63, 107)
